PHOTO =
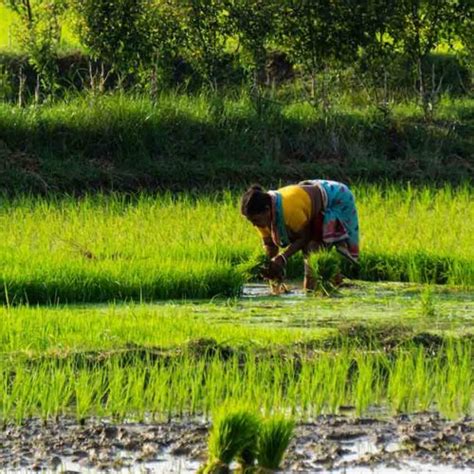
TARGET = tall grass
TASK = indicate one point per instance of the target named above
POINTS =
(126, 142)
(146, 387)
(156, 247)
(274, 437)
(234, 433)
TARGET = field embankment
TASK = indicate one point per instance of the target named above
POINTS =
(123, 143)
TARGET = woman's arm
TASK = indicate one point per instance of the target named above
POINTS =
(270, 248)
(296, 246)
(279, 261)
(300, 243)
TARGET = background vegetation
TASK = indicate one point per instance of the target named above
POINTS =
(135, 94)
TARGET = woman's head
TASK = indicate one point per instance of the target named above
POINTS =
(256, 206)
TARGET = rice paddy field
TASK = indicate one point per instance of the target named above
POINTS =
(101, 248)
(130, 323)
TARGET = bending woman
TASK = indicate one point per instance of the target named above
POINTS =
(307, 216)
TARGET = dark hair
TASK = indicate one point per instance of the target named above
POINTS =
(255, 201)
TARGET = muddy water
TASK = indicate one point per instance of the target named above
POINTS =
(418, 443)
(359, 302)
(261, 290)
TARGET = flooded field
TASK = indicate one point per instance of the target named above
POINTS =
(416, 443)
(379, 376)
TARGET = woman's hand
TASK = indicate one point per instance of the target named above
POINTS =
(276, 268)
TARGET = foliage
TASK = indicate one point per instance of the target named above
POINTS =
(465, 32)
(253, 23)
(326, 268)
(38, 33)
(206, 29)
(166, 37)
(320, 34)
(154, 41)
(274, 437)
(116, 32)
(419, 27)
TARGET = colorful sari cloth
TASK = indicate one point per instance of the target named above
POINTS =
(278, 230)
(340, 222)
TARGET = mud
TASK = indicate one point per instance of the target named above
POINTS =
(422, 442)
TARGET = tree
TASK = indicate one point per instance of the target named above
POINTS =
(321, 33)
(206, 29)
(166, 37)
(116, 32)
(379, 51)
(253, 23)
(39, 34)
(465, 33)
(420, 27)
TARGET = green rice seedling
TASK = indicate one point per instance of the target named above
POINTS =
(274, 437)
(455, 374)
(251, 268)
(133, 360)
(408, 378)
(88, 389)
(54, 392)
(326, 268)
(256, 267)
(248, 455)
(364, 384)
(233, 434)
(427, 303)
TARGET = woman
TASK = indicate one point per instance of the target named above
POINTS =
(307, 216)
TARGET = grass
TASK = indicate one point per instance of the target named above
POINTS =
(106, 248)
(145, 388)
(124, 142)
(182, 360)
(274, 437)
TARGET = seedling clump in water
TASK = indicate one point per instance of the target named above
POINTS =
(233, 433)
(326, 269)
(241, 435)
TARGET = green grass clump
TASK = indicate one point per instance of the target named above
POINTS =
(274, 437)
(239, 434)
(234, 433)
(326, 267)
(427, 303)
